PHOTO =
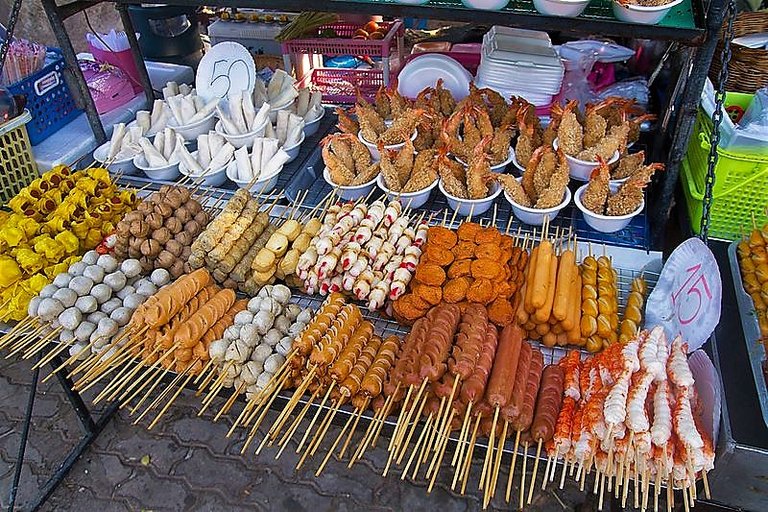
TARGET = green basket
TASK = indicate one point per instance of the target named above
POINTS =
(741, 184)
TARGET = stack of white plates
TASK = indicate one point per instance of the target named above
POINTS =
(518, 62)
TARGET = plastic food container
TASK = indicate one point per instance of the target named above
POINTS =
(581, 170)
(566, 8)
(293, 151)
(245, 139)
(644, 15)
(124, 166)
(537, 216)
(167, 173)
(213, 178)
(192, 131)
(264, 185)
(605, 223)
(475, 206)
(349, 193)
(485, 5)
(311, 128)
(414, 199)
(375, 155)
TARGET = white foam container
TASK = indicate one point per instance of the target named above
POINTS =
(465, 206)
(375, 155)
(293, 151)
(580, 170)
(605, 223)
(192, 131)
(245, 139)
(564, 8)
(167, 173)
(124, 166)
(414, 199)
(644, 15)
(485, 5)
(264, 185)
(213, 178)
(311, 128)
(537, 216)
(350, 193)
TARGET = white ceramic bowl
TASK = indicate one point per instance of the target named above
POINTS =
(293, 151)
(349, 193)
(167, 173)
(264, 185)
(486, 5)
(375, 155)
(537, 216)
(645, 15)
(213, 178)
(192, 131)
(566, 8)
(123, 166)
(311, 127)
(465, 206)
(499, 168)
(581, 170)
(245, 139)
(605, 223)
(414, 199)
(274, 110)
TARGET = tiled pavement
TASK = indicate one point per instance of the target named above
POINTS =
(187, 463)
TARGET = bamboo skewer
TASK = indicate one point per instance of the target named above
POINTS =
(175, 395)
(522, 476)
(295, 425)
(256, 425)
(419, 444)
(467, 463)
(317, 415)
(499, 454)
(512, 468)
(159, 398)
(228, 404)
(336, 442)
(535, 471)
(354, 427)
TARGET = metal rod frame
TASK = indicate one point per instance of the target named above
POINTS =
(91, 429)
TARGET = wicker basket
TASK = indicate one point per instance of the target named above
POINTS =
(748, 68)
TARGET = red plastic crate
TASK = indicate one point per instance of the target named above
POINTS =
(345, 45)
(339, 85)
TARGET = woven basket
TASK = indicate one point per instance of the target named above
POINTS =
(748, 68)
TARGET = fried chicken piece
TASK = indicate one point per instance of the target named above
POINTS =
(489, 235)
(477, 170)
(595, 195)
(500, 312)
(443, 237)
(616, 140)
(460, 268)
(489, 250)
(468, 230)
(570, 134)
(481, 291)
(544, 171)
(628, 165)
(388, 171)
(430, 294)
(404, 162)
(430, 274)
(437, 255)
(486, 268)
(367, 175)
(464, 250)
(406, 310)
(630, 195)
(456, 290)
(513, 187)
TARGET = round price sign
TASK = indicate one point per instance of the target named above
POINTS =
(227, 68)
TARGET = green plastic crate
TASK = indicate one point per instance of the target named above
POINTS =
(741, 184)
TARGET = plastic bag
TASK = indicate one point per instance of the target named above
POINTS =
(576, 85)
(755, 119)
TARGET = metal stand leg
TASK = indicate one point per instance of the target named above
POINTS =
(92, 430)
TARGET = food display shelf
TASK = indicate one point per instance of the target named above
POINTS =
(636, 235)
(755, 348)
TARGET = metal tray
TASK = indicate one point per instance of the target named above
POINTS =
(755, 349)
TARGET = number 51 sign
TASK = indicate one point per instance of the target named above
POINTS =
(688, 295)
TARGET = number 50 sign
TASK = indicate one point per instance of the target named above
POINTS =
(687, 298)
